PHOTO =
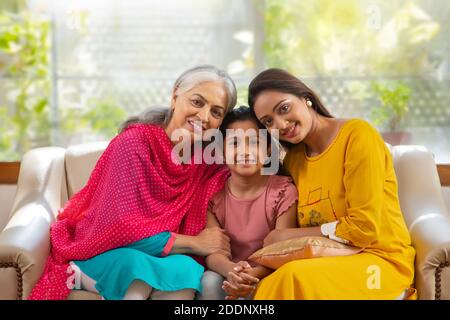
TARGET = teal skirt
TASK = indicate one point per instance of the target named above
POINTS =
(116, 269)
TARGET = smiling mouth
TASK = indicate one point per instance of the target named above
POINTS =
(289, 133)
(196, 125)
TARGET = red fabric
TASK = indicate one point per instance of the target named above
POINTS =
(134, 191)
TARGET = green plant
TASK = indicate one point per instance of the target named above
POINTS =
(393, 98)
(329, 38)
(242, 95)
(25, 122)
(104, 116)
(101, 116)
(25, 45)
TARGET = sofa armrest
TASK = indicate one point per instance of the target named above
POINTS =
(25, 241)
(24, 248)
(426, 216)
(431, 238)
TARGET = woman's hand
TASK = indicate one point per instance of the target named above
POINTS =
(212, 240)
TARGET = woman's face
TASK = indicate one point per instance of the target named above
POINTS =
(285, 112)
(244, 151)
(202, 107)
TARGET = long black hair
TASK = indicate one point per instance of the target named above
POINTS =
(282, 81)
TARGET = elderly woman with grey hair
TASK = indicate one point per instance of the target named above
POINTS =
(137, 229)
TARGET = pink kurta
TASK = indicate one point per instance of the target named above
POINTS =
(247, 222)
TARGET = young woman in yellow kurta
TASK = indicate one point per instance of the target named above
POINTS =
(347, 192)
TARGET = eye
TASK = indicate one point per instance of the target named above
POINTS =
(217, 113)
(284, 108)
(268, 122)
(197, 102)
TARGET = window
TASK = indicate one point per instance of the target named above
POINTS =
(384, 61)
(72, 71)
(102, 60)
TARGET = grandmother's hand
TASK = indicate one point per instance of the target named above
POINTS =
(212, 240)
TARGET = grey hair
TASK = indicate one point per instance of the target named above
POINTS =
(186, 81)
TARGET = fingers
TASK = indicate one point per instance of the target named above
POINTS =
(234, 278)
(220, 233)
(241, 268)
(226, 245)
(248, 278)
(244, 264)
(234, 291)
(236, 283)
(219, 239)
(229, 287)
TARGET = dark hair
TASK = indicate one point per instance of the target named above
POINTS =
(240, 113)
(283, 81)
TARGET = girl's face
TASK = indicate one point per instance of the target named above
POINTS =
(202, 107)
(285, 112)
(245, 151)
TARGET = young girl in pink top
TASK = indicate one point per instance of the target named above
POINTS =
(247, 208)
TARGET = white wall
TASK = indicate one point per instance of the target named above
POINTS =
(7, 193)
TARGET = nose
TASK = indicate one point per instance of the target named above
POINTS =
(247, 148)
(243, 149)
(280, 124)
(203, 114)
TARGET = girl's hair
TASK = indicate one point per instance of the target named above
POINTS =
(186, 81)
(282, 81)
(241, 113)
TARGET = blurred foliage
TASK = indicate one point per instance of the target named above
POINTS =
(25, 46)
(358, 38)
(393, 98)
(348, 37)
(25, 119)
(242, 96)
(101, 116)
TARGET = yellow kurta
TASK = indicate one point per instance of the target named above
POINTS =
(352, 181)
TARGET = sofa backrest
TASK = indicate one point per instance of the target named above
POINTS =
(80, 161)
(414, 168)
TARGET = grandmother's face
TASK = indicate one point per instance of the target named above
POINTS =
(200, 108)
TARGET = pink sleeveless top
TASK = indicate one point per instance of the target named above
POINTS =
(247, 222)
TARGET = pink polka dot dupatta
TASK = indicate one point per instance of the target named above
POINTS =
(135, 191)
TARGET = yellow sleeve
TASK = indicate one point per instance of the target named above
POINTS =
(364, 177)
